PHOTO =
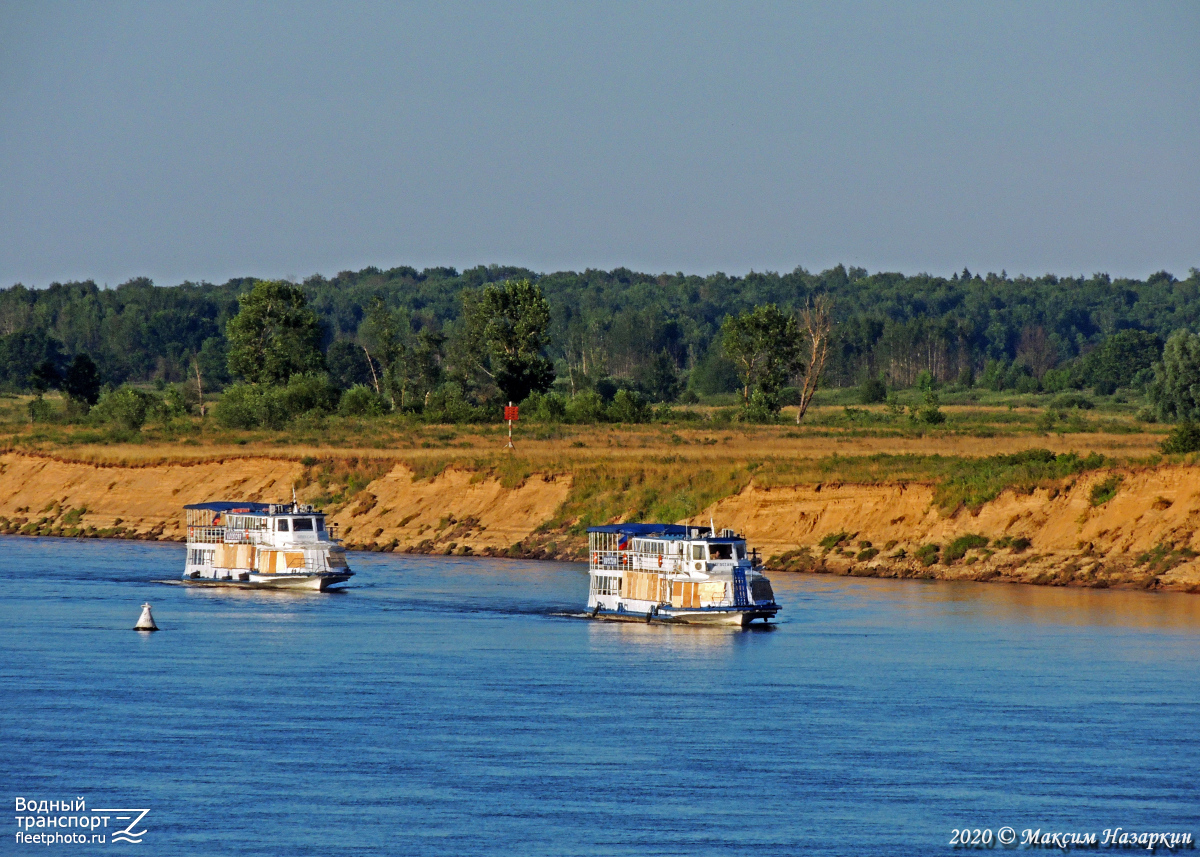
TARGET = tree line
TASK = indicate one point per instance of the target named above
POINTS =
(454, 344)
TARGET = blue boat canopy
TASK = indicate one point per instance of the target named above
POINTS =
(252, 508)
(641, 530)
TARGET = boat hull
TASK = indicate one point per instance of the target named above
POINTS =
(301, 582)
(738, 618)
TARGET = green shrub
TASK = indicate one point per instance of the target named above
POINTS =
(664, 413)
(930, 410)
(832, 540)
(1056, 380)
(958, 548)
(1017, 544)
(586, 407)
(1026, 384)
(1104, 491)
(867, 553)
(172, 405)
(927, 554)
(40, 411)
(125, 407)
(801, 559)
(447, 404)
(1047, 419)
(972, 482)
(361, 401)
(628, 407)
(762, 408)
(545, 408)
(245, 406)
(1185, 437)
(1072, 400)
(307, 393)
(238, 407)
(872, 391)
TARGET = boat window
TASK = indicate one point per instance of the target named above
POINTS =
(281, 525)
(320, 525)
(246, 522)
(697, 551)
(302, 524)
(720, 551)
(606, 585)
(739, 550)
(645, 546)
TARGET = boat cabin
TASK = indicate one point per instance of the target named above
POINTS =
(667, 547)
(277, 544)
(267, 524)
(676, 572)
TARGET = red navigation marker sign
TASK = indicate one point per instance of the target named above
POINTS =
(510, 413)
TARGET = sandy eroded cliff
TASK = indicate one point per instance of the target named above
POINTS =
(1145, 536)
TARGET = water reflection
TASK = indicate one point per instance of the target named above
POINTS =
(675, 639)
(1008, 603)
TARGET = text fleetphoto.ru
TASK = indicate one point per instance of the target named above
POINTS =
(70, 822)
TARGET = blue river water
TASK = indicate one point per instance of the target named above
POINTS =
(450, 706)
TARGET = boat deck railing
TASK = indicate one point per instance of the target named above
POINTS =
(226, 535)
(628, 560)
(230, 536)
(206, 535)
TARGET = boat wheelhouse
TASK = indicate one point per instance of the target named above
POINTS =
(675, 573)
(262, 545)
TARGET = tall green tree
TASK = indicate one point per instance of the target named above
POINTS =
(347, 364)
(1117, 361)
(660, 378)
(764, 344)
(418, 367)
(274, 335)
(1175, 391)
(380, 335)
(505, 331)
(81, 381)
(409, 363)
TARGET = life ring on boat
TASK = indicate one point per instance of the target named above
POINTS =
(596, 558)
(660, 561)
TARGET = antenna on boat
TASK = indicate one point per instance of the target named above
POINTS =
(712, 528)
(295, 502)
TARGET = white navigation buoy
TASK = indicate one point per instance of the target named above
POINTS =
(145, 622)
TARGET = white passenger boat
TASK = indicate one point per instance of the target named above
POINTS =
(261, 545)
(675, 573)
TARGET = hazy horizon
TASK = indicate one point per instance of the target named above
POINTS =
(329, 275)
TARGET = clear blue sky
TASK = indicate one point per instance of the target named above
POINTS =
(202, 141)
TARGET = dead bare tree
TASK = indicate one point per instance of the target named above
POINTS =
(816, 322)
(199, 385)
(371, 365)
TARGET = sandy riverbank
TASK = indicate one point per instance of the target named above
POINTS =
(1144, 536)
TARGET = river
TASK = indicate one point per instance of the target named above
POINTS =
(450, 706)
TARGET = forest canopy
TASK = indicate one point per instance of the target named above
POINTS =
(604, 331)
